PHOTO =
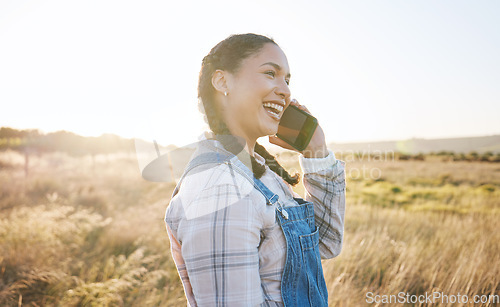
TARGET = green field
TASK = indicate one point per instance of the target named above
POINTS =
(90, 232)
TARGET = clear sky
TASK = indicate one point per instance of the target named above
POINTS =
(368, 70)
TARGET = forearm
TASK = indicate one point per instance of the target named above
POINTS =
(324, 180)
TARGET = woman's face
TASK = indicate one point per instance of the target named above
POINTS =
(258, 94)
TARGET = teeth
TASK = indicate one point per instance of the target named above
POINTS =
(275, 106)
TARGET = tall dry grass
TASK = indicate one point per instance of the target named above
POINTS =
(414, 227)
(83, 232)
(417, 227)
(79, 232)
(388, 251)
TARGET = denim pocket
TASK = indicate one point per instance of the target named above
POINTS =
(317, 293)
(309, 241)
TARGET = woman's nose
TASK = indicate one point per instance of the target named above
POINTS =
(283, 90)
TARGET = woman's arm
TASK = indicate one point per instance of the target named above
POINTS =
(324, 180)
(175, 248)
(219, 247)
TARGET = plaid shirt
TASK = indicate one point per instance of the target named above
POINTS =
(226, 242)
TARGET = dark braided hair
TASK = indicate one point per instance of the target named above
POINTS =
(228, 55)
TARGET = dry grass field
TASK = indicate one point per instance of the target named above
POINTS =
(83, 232)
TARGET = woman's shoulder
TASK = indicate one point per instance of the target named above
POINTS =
(216, 194)
(205, 190)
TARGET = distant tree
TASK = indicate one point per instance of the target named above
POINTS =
(404, 157)
(473, 154)
(496, 158)
(6, 132)
(459, 157)
(31, 141)
(445, 153)
(483, 158)
(419, 157)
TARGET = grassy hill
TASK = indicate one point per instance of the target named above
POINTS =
(480, 145)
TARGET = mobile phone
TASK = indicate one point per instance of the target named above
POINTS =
(296, 127)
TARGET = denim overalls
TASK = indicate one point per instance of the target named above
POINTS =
(302, 282)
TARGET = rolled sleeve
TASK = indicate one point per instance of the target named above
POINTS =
(324, 181)
(312, 165)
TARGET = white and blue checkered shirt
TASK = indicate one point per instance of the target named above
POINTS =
(226, 242)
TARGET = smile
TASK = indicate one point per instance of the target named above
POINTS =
(273, 109)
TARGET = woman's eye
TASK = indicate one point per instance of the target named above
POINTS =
(271, 73)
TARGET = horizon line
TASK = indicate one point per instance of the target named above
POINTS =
(327, 142)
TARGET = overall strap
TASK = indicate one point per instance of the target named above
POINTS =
(258, 184)
(230, 160)
(271, 197)
(205, 158)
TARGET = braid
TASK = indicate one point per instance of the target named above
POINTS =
(275, 166)
(227, 55)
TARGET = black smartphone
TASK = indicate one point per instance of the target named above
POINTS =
(296, 127)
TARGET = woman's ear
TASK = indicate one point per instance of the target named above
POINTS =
(219, 81)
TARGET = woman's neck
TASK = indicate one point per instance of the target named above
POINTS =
(250, 147)
(249, 140)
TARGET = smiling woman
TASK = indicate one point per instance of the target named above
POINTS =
(248, 91)
(239, 234)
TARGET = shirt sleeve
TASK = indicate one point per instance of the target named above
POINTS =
(324, 180)
(219, 247)
(175, 248)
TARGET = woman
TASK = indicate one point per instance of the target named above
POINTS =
(239, 234)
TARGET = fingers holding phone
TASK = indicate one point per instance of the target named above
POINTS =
(299, 131)
(294, 102)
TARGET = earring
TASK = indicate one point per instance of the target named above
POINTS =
(225, 93)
